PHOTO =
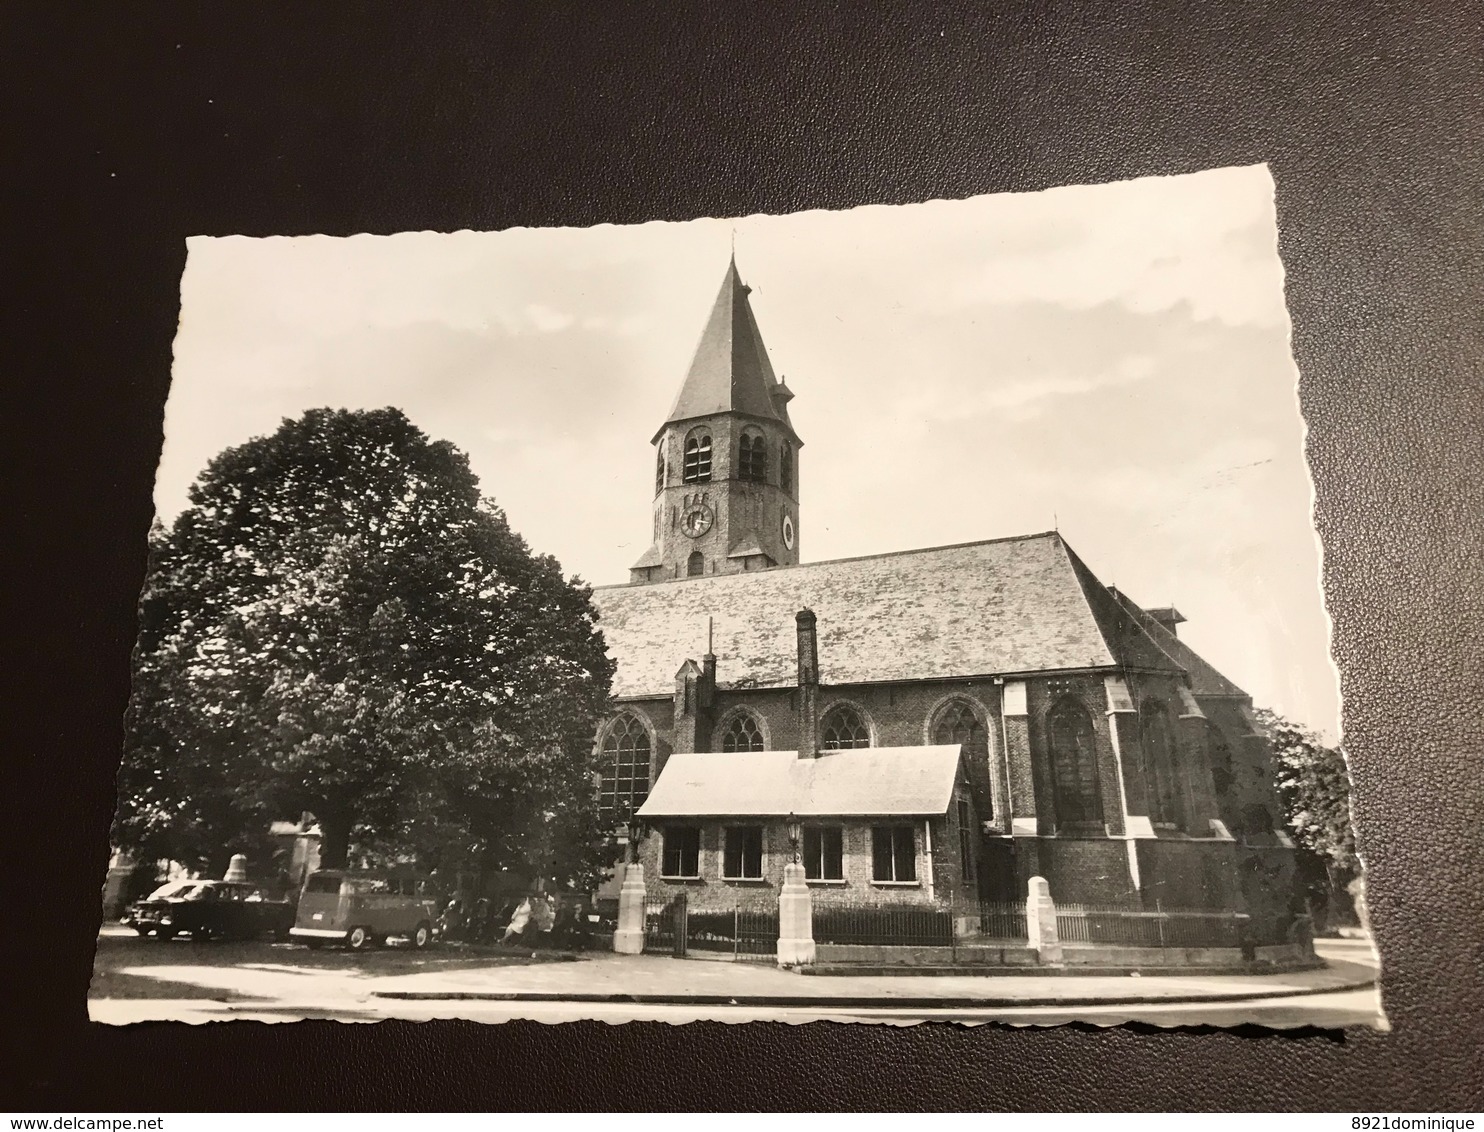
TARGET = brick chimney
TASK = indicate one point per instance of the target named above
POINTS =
(695, 701)
(808, 685)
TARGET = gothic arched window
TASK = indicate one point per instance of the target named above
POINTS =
(695, 565)
(1159, 762)
(786, 466)
(623, 777)
(959, 723)
(698, 458)
(659, 470)
(752, 462)
(1074, 764)
(742, 734)
(843, 729)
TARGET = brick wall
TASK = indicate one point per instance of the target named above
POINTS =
(1086, 871)
(1083, 869)
(712, 891)
(1189, 874)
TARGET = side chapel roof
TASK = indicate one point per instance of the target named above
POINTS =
(869, 782)
(1016, 605)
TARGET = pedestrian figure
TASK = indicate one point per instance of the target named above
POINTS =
(518, 922)
(543, 918)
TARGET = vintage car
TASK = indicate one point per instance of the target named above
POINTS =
(211, 909)
(361, 909)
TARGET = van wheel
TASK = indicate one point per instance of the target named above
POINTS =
(422, 935)
(359, 939)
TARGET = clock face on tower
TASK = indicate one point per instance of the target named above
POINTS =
(788, 532)
(697, 521)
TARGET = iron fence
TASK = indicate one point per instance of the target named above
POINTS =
(1001, 921)
(661, 919)
(745, 934)
(884, 925)
(1163, 927)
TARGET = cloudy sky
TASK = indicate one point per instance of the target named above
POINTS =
(1111, 360)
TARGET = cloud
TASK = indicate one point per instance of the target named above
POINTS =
(546, 320)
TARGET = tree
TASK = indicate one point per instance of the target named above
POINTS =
(340, 624)
(1314, 784)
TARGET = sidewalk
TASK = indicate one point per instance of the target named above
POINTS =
(605, 977)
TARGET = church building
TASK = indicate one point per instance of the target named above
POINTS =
(1087, 743)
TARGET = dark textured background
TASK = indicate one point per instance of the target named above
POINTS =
(139, 125)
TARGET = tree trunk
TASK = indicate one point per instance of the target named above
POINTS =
(334, 844)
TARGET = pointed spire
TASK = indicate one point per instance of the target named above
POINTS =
(731, 371)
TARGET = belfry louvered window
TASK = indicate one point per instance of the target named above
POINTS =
(698, 458)
(843, 729)
(786, 466)
(659, 470)
(623, 781)
(752, 462)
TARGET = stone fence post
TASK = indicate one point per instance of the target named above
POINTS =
(795, 919)
(1040, 923)
(628, 939)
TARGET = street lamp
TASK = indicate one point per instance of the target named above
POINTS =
(793, 838)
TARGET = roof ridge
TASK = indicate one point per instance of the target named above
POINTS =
(836, 561)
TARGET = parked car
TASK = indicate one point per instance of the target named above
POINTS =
(362, 909)
(210, 909)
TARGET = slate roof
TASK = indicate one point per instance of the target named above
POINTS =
(871, 782)
(1204, 680)
(986, 608)
(730, 371)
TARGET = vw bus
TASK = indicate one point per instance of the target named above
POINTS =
(362, 909)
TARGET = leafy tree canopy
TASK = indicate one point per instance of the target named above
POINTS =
(340, 624)
(1314, 784)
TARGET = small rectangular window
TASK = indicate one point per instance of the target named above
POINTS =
(742, 856)
(824, 857)
(893, 854)
(682, 852)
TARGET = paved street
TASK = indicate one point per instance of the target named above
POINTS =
(140, 980)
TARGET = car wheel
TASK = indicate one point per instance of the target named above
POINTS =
(359, 939)
(422, 935)
(142, 931)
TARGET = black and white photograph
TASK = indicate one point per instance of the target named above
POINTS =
(897, 614)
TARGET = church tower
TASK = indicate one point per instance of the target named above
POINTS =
(726, 477)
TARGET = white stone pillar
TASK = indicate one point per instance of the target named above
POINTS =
(1040, 923)
(795, 919)
(628, 939)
